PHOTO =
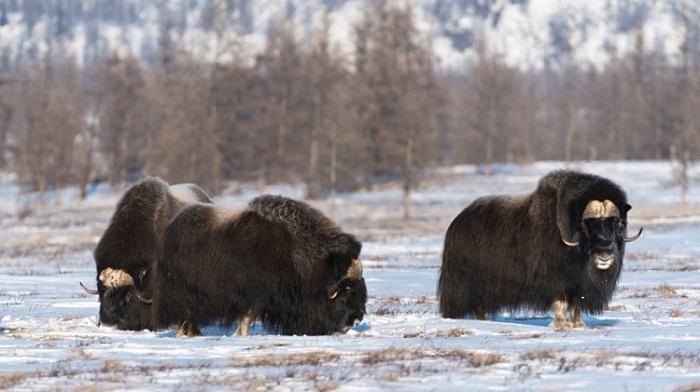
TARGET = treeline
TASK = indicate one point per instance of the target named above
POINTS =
(337, 116)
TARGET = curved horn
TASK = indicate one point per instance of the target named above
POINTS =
(113, 278)
(333, 294)
(630, 239)
(143, 299)
(570, 243)
(89, 290)
(355, 270)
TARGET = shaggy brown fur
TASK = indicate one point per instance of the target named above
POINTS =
(506, 253)
(131, 244)
(277, 261)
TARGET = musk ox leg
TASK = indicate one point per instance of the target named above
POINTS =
(560, 323)
(479, 315)
(188, 329)
(576, 321)
(244, 324)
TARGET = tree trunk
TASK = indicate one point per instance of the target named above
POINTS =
(333, 174)
(408, 181)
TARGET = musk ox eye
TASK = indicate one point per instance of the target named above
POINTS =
(348, 289)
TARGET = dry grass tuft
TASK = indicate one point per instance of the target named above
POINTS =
(675, 313)
(314, 358)
(528, 336)
(82, 353)
(603, 357)
(454, 332)
(10, 380)
(412, 334)
(267, 346)
(616, 308)
(694, 387)
(667, 291)
(540, 355)
(110, 366)
(474, 359)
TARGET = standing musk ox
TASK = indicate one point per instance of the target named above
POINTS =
(129, 247)
(279, 261)
(560, 248)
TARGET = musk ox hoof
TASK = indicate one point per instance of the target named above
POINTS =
(578, 324)
(561, 325)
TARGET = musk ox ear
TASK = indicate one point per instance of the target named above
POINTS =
(626, 208)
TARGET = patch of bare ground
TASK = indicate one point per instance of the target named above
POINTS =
(472, 358)
(314, 358)
(10, 380)
(694, 387)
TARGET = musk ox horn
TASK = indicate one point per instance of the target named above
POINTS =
(597, 209)
(610, 209)
(572, 244)
(594, 209)
(333, 294)
(143, 299)
(355, 270)
(113, 278)
(634, 237)
(89, 290)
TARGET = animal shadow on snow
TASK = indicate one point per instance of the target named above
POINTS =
(591, 322)
(256, 329)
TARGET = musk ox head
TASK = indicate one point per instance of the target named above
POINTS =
(601, 235)
(121, 297)
(348, 297)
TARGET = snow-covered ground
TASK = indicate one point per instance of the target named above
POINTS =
(648, 340)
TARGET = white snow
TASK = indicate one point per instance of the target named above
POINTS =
(648, 340)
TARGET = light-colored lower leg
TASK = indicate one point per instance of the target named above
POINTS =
(244, 324)
(560, 323)
(182, 330)
(576, 321)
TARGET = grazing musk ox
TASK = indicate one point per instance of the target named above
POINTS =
(128, 248)
(279, 261)
(560, 248)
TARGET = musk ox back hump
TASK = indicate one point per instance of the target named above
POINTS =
(316, 236)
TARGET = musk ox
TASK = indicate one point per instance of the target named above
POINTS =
(129, 247)
(560, 248)
(279, 261)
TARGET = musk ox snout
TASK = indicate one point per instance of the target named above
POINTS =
(604, 260)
